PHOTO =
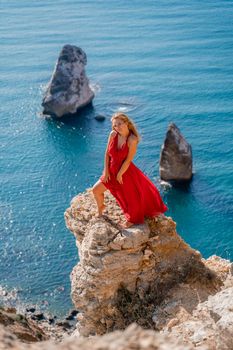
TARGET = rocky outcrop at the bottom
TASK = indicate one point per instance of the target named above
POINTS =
(33, 325)
(209, 323)
(133, 337)
(146, 274)
(124, 275)
(22, 327)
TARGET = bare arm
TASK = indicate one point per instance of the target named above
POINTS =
(106, 157)
(132, 151)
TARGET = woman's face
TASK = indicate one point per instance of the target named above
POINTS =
(120, 126)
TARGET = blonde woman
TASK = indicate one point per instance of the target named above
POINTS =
(135, 193)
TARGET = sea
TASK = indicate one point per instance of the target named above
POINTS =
(159, 62)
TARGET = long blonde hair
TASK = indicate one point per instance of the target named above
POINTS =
(130, 123)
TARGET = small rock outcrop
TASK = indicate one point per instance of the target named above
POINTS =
(31, 325)
(22, 327)
(124, 274)
(68, 89)
(175, 157)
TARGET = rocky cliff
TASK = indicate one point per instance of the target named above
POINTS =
(146, 274)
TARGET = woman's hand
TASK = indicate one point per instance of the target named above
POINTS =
(119, 178)
(106, 175)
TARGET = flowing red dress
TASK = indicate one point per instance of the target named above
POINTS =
(137, 196)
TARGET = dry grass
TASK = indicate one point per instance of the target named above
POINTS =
(134, 308)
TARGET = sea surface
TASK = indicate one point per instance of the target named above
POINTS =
(160, 62)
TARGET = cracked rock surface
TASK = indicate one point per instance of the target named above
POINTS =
(124, 274)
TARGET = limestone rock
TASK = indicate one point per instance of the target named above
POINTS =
(68, 89)
(31, 325)
(133, 337)
(175, 157)
(123, 274)
(210, 323)
(22, 327)
(146, 274)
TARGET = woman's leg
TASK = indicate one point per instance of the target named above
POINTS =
(98, 191)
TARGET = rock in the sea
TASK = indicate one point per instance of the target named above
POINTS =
(72, 315)
(68, 88)
(175, 157)
(100, 118)
(39, 316)
(123, 274)
(31, 309)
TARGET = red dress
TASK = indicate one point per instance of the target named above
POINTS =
(137, 196)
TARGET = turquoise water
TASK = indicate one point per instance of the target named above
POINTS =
(159, 61)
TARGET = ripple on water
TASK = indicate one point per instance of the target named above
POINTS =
(178, 69)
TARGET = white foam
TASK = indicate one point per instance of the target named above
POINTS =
(165, 184)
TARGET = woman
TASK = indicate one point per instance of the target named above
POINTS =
(135, 193)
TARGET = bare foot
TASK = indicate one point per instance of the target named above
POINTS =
(127, 224)
(100, 210)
